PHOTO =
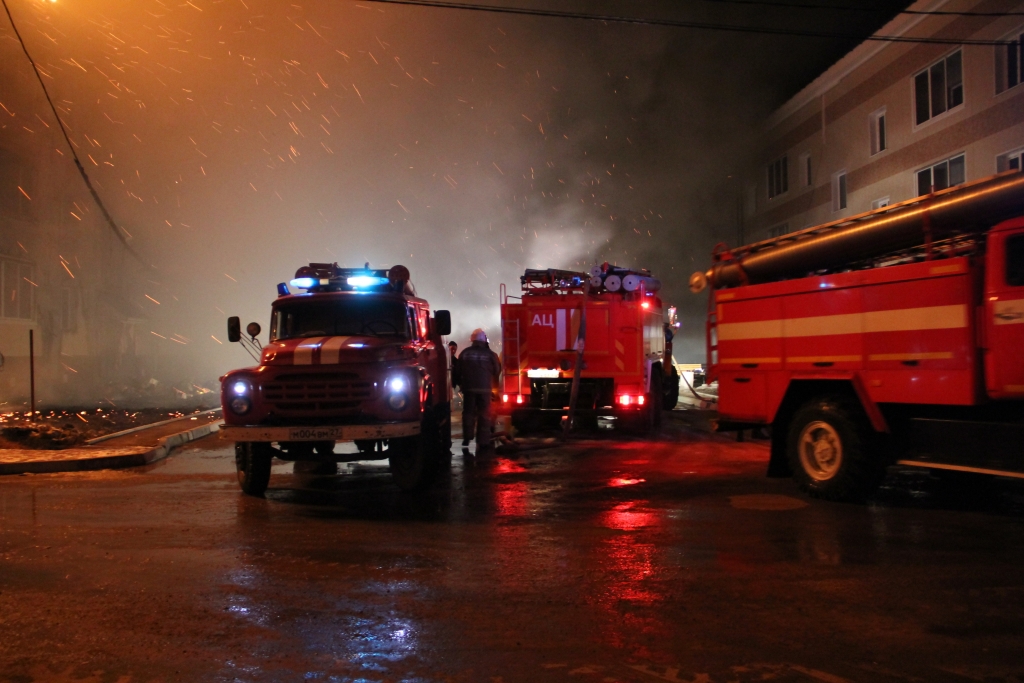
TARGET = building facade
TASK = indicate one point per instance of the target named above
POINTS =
(891, 121)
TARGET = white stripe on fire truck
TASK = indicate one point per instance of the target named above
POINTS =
(331, 350)
(304, 352)
(898, 320)
(560, 329)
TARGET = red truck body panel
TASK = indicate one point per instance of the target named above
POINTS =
(622, 333)
(944, 332)
(908, 332)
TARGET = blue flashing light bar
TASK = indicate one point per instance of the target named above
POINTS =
(305, 282)
(366, 281)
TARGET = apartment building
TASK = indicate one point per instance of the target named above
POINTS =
(891, 121)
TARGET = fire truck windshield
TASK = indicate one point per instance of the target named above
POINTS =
(349, 317)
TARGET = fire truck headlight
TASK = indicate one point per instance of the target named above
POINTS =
(398, 388)
(240, 405)
(240, 388)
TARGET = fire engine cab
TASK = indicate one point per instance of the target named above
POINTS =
(611, 323)
(353, 355)
(895, 336)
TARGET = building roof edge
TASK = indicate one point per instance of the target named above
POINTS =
(831, 77)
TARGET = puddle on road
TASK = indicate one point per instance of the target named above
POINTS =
(766, 501)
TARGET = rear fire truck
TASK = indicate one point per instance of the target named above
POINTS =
(355, 357)
(624, 370)
(893, 336)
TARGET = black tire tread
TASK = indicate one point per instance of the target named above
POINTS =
(863, 467)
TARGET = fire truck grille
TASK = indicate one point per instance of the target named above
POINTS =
(318, 395)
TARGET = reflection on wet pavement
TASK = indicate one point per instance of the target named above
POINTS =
(672, 560)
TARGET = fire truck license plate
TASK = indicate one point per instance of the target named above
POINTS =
(316, 433)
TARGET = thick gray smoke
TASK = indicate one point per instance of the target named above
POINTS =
(240, 139)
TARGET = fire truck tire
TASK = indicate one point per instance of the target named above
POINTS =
(412, 463)
(656, 399)
(829, 446)
(671, 393)
(252, 460)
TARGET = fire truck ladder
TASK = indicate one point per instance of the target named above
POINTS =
(510, 349)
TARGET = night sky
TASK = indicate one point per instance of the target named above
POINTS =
(239, 139)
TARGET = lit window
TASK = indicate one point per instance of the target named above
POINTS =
(778, 177)
(939, 88)
(947, 173)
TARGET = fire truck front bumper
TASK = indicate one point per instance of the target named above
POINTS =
(324, 433)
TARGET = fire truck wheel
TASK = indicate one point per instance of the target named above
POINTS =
(656, 399)
(412, 463)
(670, 394)
(252, 460)
(829, 448)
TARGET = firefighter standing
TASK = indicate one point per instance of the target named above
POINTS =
(479, 369)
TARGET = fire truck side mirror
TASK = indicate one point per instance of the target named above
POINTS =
(442, 323)
(253, 330)
(234, 329)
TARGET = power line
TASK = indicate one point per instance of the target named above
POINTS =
(674, 23)
(74, 155)
(871, 10)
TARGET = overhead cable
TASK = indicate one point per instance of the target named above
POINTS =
(675, 23)
(74, 155)
(871, 10)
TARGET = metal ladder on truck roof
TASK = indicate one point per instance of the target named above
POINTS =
(511, 353)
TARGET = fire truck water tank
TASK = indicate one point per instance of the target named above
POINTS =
(632, 282)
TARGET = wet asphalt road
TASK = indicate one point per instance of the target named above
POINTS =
(667, 560)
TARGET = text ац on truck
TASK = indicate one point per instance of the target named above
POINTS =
(356, 356)
(604, 330)
(895, 336)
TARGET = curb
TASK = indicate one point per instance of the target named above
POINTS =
(140, 456)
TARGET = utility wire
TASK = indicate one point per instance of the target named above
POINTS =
(871, 10)
(74, 155)
(673, 23)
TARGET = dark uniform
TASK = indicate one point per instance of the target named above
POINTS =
(479, 369)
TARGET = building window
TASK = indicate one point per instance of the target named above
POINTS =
(1011, 161)
(939, 88)
(18, 286)
(880, 203)
(839, 191)
(1010, 63)
(878, 143)
(778, 177)
(805, 169)
(779, 230)
(944, 174)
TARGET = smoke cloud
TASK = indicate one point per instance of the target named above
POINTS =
(238, 140)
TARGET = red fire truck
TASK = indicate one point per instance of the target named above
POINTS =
(893, 336)
(356, 356)
(624, 370)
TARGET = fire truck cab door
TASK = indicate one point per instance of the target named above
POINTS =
(1004, 312)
